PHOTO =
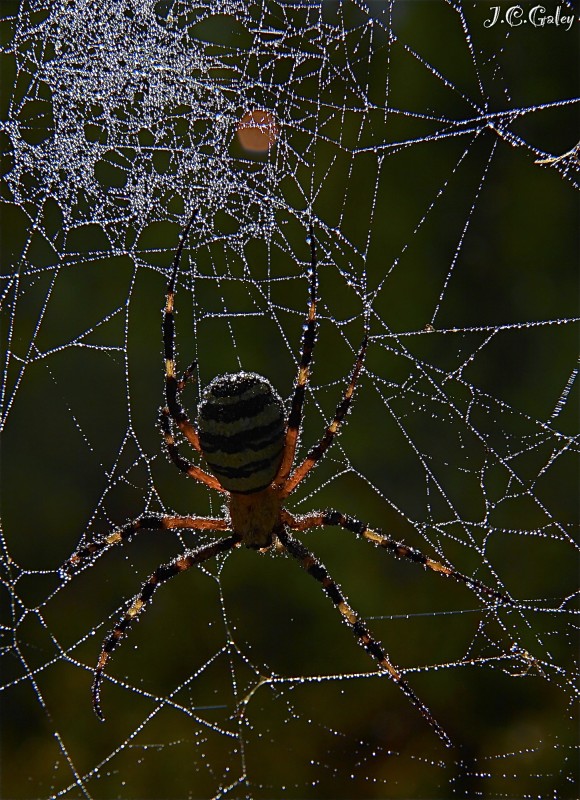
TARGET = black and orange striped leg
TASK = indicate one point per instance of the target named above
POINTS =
(308, 342)
(182, 464)
(147, 522)
(173, 386)
(319, 449)
(139, 603)
(319, 572)
(379, 539)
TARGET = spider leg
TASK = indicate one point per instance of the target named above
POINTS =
(181, 463)
(322, 446)
(151, 522)
(379, 539)
(173, 386)
(319, 572)
(187, 376)
(139, 603)
(308, 342)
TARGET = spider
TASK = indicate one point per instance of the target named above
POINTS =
(249, 446)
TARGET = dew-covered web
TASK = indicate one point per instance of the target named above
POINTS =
(435, 155)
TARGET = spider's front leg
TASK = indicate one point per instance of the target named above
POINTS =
(138, 604)
(321, 519)
(318, 571)
(146, 522)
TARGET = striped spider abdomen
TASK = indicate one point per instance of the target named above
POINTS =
(241, 430)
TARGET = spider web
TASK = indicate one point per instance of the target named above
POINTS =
(435, 156)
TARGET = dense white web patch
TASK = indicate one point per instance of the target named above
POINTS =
(436, 158)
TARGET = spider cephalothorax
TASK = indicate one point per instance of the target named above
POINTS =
(243, 437)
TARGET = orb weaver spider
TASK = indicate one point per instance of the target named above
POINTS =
(249, 447)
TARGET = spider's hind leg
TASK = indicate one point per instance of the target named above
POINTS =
(182, 464)
(187, 375)
(319, 572)
(308, 342)
(320, 448)
(173, 386)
